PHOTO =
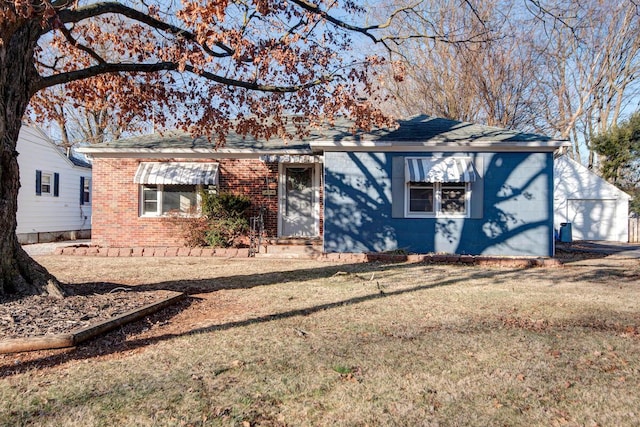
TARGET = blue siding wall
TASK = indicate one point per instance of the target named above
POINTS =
(516, 215)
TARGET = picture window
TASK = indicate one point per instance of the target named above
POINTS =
(162, 200)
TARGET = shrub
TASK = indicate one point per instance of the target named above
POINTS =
(226, 213)
(224, 205)
(222, 221)
(193, 230)
(223, 232)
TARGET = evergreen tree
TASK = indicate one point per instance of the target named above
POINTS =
(619, 150)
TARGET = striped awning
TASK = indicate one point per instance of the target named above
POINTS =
(177, 173)
(291, 158)
(444, 169)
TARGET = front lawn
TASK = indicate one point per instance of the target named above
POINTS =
(291, 343)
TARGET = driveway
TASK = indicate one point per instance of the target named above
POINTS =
(606, 248)
(49, 248)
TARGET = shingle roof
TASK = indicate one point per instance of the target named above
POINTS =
(418, 131)
(79, 162)
(426, 128)
(181, 139)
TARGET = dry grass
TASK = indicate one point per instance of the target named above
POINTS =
(267, 342)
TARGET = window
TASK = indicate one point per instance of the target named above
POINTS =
(85, 190)
(159, 200)
(421, 197)
(150, 200)
(168, 188)
(453, 198)
(47, 183)
(437, 199)
(45, 187)
(438, 186)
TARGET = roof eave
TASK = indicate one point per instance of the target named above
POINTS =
(469, 145)
(191, 153)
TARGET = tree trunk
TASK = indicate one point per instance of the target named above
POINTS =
(19, 274)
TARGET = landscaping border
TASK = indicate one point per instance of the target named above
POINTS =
(479, 260)
(50, 342)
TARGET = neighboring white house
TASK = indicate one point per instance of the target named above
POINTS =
(54, 201)
(596, 209)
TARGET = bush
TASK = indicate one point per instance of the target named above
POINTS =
(224, 205)
(223, 232)
(223, 220)
(193, 230)
(227, 217)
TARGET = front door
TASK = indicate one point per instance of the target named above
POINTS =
(298, 218)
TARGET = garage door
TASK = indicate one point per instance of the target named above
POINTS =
(592, 219)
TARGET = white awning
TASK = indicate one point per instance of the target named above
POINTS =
(291, 158)
(177, 173)
(443, 169)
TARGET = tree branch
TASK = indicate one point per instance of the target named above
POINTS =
(106, 68)
(91, 11)
(74, 42)
(310, 7)
(543, 11)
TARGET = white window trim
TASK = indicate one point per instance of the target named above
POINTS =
(467, 201)
(407, 202)
(141, 210)
(51, 183)
(87, 182)
(437, 203)
(160, 193)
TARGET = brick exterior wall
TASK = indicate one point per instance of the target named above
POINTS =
(252, 177)
(116, 221)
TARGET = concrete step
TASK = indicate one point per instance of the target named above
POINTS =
(293, 241)
(290, 251)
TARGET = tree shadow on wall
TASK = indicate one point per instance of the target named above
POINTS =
(516, 213)
(516, 204)
(594, 217)
(358, 207)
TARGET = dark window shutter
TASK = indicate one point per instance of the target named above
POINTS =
(397, 187)
(477, 189)
(38, 183)
(56, 184)
(82, 190)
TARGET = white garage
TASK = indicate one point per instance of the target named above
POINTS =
(596, 209)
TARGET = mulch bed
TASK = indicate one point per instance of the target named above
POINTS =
(39, 315)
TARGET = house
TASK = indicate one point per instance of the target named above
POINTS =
(429, 185)
(596, 209)
(54, 200)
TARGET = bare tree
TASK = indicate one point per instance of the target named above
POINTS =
(92, 120)
(488, 78)
(567, 68)
(591, 59)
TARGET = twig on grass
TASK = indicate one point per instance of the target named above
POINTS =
(120, 288)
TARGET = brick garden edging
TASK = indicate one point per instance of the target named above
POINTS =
(479, 260)
(509, 262)
(153, 251)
